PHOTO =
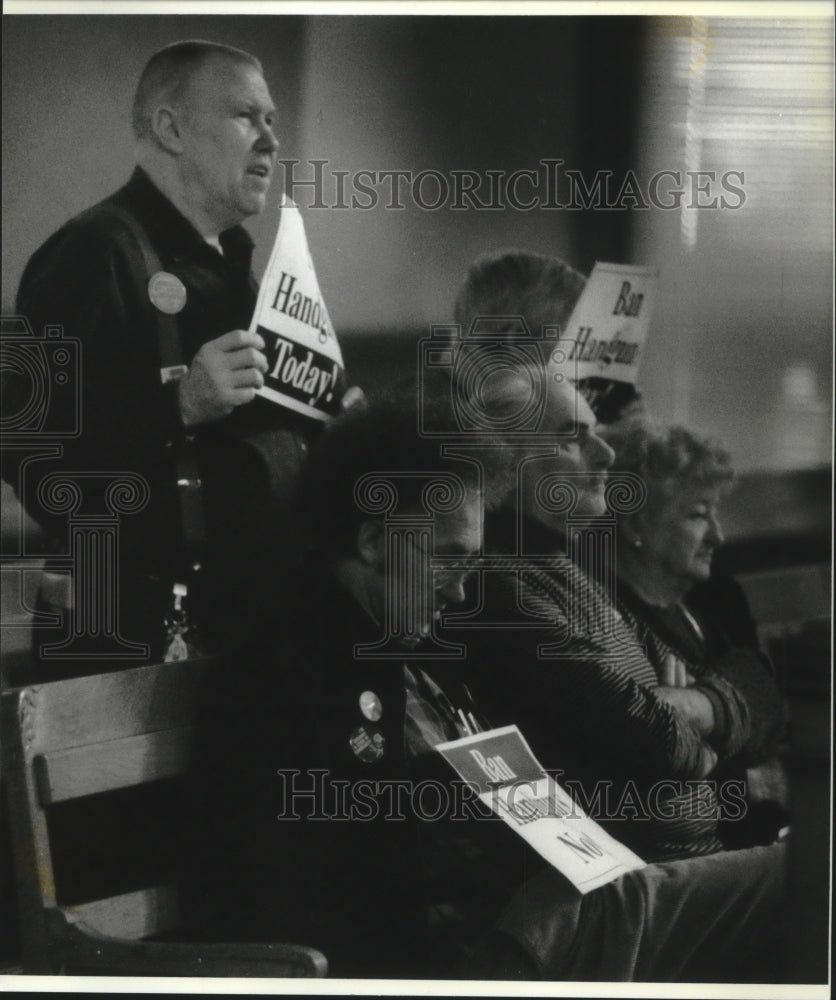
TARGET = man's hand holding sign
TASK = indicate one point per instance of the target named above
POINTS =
(226, 372)
(290, 354)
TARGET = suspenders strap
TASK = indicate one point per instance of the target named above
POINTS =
(146, 264)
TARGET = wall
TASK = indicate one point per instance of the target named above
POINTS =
(741, 343)
(742, 338)
(68, 84)
(363, 93)
(431, 93)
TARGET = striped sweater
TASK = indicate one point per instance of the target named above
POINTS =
(554, 655)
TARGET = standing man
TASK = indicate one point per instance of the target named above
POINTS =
(174, 404)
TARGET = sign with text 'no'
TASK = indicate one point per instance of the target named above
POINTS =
(509, 779)
(305, 365)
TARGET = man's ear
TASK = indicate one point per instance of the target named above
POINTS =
(371, 543)
(166, 128)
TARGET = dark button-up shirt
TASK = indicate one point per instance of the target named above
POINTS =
(84, 279)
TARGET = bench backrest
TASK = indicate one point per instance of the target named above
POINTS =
(91, 736)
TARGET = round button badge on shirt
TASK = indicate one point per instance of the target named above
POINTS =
(370, 706)
(167, 292)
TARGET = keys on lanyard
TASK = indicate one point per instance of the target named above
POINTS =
(180, 635)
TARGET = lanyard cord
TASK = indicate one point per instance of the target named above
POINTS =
(170, 350)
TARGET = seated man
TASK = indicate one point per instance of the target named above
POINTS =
(570, 668)
(308, 750)
(503, 287)
(303, 740)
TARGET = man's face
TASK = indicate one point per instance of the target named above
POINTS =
(228, 145)
(398, 593)
(582, 460)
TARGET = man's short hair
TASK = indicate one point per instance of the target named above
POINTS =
(543, 290)
(168, 72)
(383, 438)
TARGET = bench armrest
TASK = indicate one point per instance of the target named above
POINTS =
(84, 951)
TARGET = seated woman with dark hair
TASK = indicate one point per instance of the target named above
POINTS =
(696, 626)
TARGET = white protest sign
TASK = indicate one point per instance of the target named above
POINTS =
(608, 326)
(305, 365)
(509, 779)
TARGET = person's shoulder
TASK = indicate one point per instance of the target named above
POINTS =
(552, 584)
(84, 264)
(720, 596)
(248, 694)
(721, 605)
(521, 594)
(105, 224)
(282, 655)
(92, 233)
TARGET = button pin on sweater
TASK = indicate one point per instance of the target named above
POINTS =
(367, 742)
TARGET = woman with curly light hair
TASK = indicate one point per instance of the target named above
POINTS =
(696, 625)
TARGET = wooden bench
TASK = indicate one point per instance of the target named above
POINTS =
(75, 743)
